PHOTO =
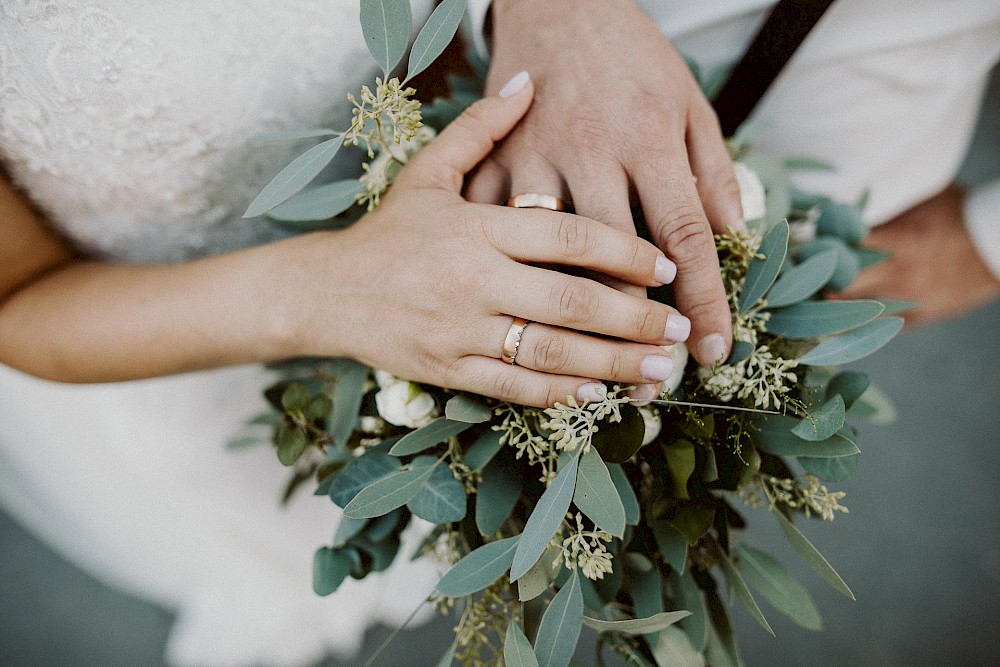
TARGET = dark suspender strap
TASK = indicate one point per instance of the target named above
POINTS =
(785, 29)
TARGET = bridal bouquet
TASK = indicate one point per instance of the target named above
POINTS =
(625, 518)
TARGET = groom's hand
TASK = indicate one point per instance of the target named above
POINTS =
(618, 113)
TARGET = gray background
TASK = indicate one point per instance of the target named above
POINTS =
(920, 547)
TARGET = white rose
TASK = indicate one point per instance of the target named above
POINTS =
(679, 353)
(385, 378)
(751, 192)
(653, 423)
(403, 404)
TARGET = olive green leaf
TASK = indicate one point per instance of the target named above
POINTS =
(813, 319)
(637, 626)
(762, 272)
(392, 491)
(812, 557)
(496, 496)
(545, 519)
(463, 408)
(778, 587)
(561, 625)
(736, 585)
(775, 436)
(347, 400)
(441, 499)
(319, 203)
(802, 281)
(853, 345)
(292, 442)
(824, 422)
(427, 436)
(478, 569)
(330, 568)
(386, 26)
(618, 443)
(294, 177)
(435, 35)
(517, 649)
(596, 494)
(625, 493)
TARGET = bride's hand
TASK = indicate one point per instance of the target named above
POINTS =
(435, 282)
(617, 108)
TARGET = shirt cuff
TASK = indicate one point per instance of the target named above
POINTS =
(982, 220)
(473, 23)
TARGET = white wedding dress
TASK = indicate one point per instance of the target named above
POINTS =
(129, 123)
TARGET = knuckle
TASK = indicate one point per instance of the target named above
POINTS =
(649, 322)
(576, 302)
(554, 395)
(617, 366)
(685, 231)
(550, 354)
(506, 387)
(573, 236)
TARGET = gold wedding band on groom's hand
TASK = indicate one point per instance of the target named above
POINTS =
(513, 340)
(535, 200)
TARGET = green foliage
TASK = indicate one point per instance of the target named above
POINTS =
(465, 408)
(478, 569)
(842, 220)
(637, 626)
(292, 442)
(319, 203)
(330, 568)
(681, 461)
(620, 443)
(803, 281)
(824, 422)
(776, 436)
(436, 34)
(561, 624)
(441, 499)
(392, 491)
(360, 473)
(386, 27)
(517, 649)
(545, 519)
(778, 587)
(848, 262)
(673, 544)
(689, 596)
(483, 449)
(813, 319)
(853, 345)
(347, 400)
(625, 493)
(496, 496)
(597, 496)
(294, 177)
(762, 272)
(850, 385)
(673, 649)
(831, 469)
(426, 437)
(812, 557)
(736, 585)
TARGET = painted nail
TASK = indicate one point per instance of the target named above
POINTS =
(656, 368)
(515, 85)
(592, 391)
(665, 271)
(678, 328)
(712, 349)
(644, 393)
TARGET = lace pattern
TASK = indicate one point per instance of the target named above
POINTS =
(131, 128)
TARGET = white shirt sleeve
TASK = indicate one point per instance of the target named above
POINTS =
(473, 23)
(982, 219)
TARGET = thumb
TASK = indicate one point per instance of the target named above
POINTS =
(471, 137)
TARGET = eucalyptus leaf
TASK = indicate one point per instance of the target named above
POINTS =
(842, 220)
(319, 203)
(561, 625)
(637, 626)
(853, 345)
(693, 520)
(386, 26)
(330, 568)
(813, 319)
(673, 649)
(596, 495)
(541, 575)
(359, 473)
(496, 496)
(833, 469)
(619, 442)
(762, 272)
(774, 176)
(347, 400)
(874, 406)
(646, 589)
(483, 449)
(897, 306)
(802, 281)
(736, 585)
(625, 492)
(778, 587)
(346, 529)
(427, 436)
(824, 422)
(436, 34)
(689, 596)
(517, 650)
(681, 461)
(545, 519)
(850, 385)
(292, 442)
(672, 544)
(848, 263)
(775, 436)
(721, 632)
(869, 257)
(741, 351)
(441, 499)
(464, 408)
(294, 177)
(812, 557)
(388, 493)
(478, 569)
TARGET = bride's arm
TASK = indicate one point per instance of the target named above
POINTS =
(425, 287)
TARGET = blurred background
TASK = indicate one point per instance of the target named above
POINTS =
(920, 547)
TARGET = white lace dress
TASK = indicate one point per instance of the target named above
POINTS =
(128, 124)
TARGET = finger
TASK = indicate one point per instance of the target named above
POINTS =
(710, 162)
(602, 193)
(488, 184)
(564, 352)
(506, 382)
(471, 137)
(572, 240)
(532, 173)
(679, 227)
(576, 303)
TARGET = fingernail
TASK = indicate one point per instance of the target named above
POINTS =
(592, 391)
(515, 85)
(656, 367)
(644, 393)
(665, 271)
(712, 349)
(678, 328)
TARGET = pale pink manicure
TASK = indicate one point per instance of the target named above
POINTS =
(678, 328)
(656, 367)
(515, 85)
(592, 391)
(644, 393)
(712, 349)
(665, 271)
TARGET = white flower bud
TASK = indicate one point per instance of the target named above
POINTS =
(751, 192)
(651, 418)
(385, 378)
(403, 404)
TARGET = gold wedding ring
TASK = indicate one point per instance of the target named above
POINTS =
(535, 200)
(513, 340)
